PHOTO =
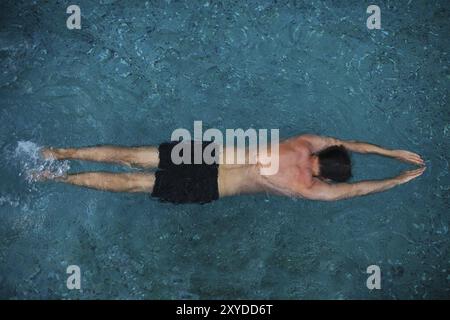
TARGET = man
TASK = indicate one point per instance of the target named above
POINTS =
(311, 167)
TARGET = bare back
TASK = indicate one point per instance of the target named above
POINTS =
(294, 170)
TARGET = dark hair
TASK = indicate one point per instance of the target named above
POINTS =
(335, 164)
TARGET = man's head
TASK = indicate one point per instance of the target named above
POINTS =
(335, 164)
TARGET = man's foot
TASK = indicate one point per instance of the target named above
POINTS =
(44, 175)
(51, 153)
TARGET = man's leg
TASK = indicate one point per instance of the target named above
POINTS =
(145, 157)
(115, 182)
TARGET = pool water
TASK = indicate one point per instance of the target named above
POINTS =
(137, 70)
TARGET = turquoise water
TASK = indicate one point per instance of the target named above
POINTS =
(137, 70)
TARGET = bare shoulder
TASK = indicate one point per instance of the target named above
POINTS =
(315, 143)
(298, 139)
(312, 189)
(299, 143)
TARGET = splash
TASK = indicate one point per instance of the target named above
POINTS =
(34, 167)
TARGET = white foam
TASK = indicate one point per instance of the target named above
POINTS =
(32, 164)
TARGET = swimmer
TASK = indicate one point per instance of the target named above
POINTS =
(310, 167)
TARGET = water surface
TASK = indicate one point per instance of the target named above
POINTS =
(137, 70)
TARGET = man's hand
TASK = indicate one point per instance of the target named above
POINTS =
(409, 175)
(408, 156)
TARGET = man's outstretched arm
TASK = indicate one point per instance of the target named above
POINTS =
(319, 142)
(321, 190)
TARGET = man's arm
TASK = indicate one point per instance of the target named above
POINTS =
(320, 190)
(319, 143)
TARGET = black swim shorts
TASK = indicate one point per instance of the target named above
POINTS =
(185, 183)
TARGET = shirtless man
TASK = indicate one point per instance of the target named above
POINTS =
(310, 166)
